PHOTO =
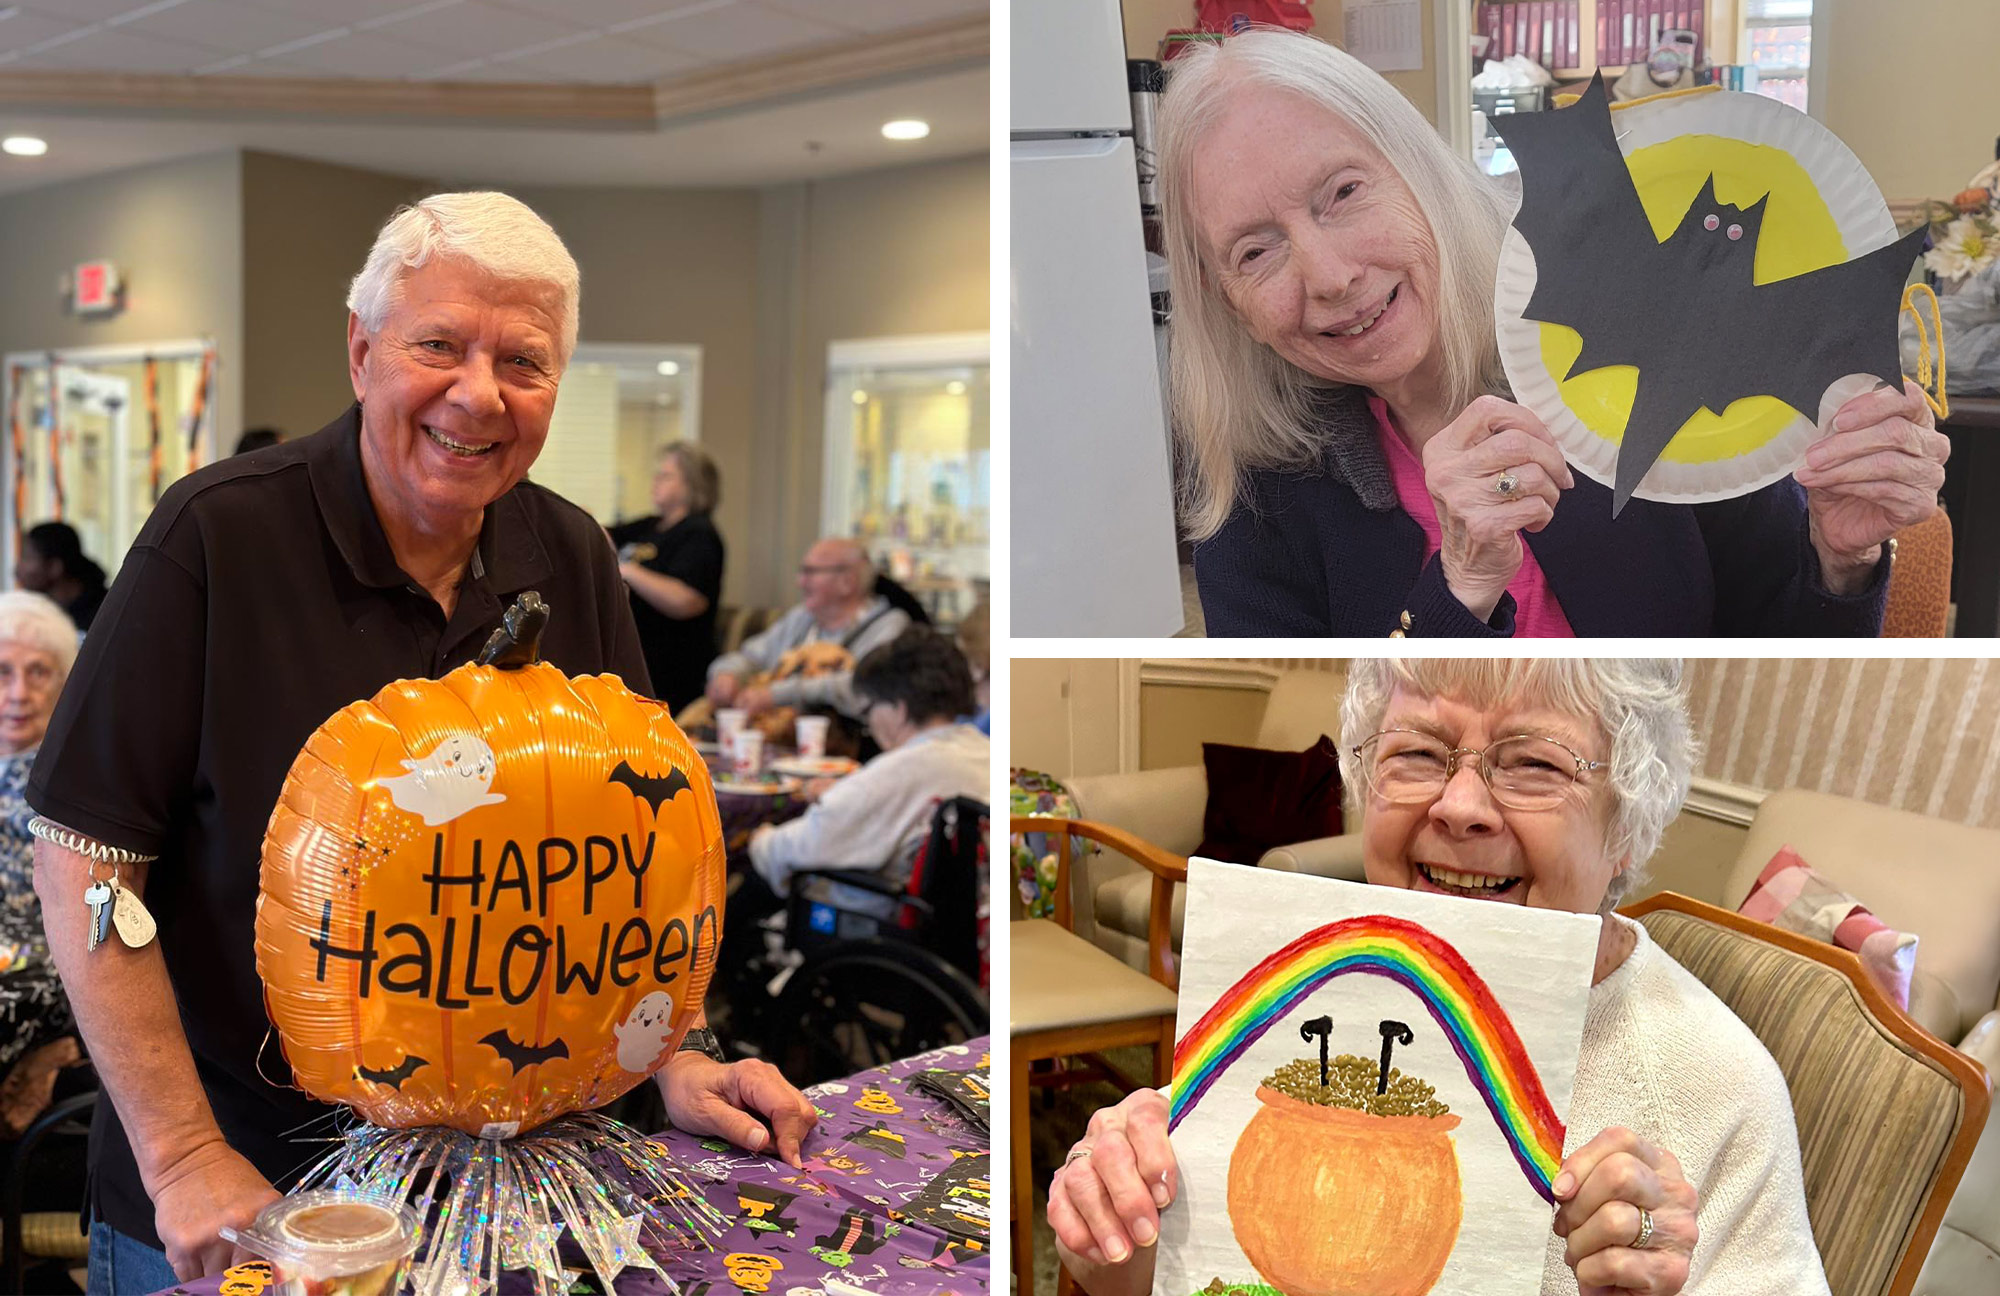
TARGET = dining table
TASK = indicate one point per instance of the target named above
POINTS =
(894, 1197)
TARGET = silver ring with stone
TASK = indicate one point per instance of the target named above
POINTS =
(1645, 1230)
(1075, 1153)
(1506, 484)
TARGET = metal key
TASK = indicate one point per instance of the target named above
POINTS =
(98, 897)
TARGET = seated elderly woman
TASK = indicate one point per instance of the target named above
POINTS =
(916, 691)
(37, 1031)
(1679, 1115)
(1353, 463)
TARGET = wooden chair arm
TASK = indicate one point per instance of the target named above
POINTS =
(1166, 867)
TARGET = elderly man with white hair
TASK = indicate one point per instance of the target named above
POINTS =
(265, 593)
(839, 606)
(1546, 783)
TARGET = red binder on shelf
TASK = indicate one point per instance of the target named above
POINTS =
(1573, 43)
(1560, 45)
(1607, 16)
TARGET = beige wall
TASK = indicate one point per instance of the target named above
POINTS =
(1175, 720)
(175, 232)
(884, 254)
(1913, 90)
(307, 227)
(1693, 859)
(1146, 21)
(1064, 716)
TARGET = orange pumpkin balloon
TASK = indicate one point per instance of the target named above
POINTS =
(489, 899)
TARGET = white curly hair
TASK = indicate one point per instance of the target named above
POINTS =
(1637, 705)
(36, 621)
(495, 232)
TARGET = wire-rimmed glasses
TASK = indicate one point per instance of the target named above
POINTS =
(1522, 771)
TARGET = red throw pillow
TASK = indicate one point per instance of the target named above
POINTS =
(1791, 895)
(1258, 799)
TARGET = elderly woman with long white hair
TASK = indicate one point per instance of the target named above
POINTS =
(1353, 463)
(264, 594)
(1545, 783)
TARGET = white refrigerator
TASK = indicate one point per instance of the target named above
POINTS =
(1089, 481)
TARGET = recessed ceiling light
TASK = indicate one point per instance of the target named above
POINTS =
(909, 129)
(24, 145)
(668, 368)
(954, 388)
(860, 397)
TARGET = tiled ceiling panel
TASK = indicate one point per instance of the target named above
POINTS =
(25, 27)
(746, 29)
(227, 25)
(116, 49)
(588, 40)
(476, 30)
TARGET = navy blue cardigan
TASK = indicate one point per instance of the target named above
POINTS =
(1329, 551)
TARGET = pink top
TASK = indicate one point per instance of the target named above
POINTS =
(1537, 615)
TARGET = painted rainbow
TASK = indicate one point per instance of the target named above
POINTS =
(1413, 956)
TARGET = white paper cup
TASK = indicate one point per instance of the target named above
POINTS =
(812, 735)
(748, 752)
(729, 722)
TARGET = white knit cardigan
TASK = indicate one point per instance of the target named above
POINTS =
(1665, 1058)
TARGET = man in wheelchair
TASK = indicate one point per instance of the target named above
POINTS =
(871, 828)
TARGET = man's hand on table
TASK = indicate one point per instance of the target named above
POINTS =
(210, 1186)
(704, 1096)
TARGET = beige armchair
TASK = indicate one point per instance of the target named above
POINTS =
(1940, 881)
(1111, 896)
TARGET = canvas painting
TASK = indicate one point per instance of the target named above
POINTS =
(1369, 1088)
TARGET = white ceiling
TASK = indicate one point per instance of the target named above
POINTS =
(551, 41)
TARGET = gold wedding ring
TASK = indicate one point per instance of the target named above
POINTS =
(1506, 484)
(1645, 1230)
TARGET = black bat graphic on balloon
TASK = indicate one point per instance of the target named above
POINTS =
(1685, 310)
(395, 1076)
(655, 792)
(523, 1055)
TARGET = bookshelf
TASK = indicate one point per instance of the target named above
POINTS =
(1720, 22)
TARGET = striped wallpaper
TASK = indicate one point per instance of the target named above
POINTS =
(1919, 734)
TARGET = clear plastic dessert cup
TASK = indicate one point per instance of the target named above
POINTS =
(334, 1242)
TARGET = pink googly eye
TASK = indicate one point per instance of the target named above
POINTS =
(1711, 222)
(1735, 232)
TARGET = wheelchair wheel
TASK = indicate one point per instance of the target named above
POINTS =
(861, 1004)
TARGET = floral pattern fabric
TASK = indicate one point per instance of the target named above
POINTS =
(33, 1008)
(1035, 793)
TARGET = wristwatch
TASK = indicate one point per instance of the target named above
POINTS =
(702, 1040)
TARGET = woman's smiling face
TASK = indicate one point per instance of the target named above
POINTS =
(1314, 240)
(1548, 859)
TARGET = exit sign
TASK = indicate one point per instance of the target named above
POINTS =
(96, 289)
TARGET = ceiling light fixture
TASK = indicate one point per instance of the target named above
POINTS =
(24, 145)
(908, 129)
(954, 388)
(860, 398)
(668, 368)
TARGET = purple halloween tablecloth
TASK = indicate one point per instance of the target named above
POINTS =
(895, 1198)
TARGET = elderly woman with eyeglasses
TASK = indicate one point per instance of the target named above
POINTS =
(1353, 464)
(1544, 783)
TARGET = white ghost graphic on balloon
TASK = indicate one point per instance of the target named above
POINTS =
(644, 1031)
(453, 779)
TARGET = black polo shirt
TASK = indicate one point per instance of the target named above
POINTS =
(678, 649)
(262, 597)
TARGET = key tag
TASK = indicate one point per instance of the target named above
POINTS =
(130, 916)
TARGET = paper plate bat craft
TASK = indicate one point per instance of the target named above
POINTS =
(1690, 284)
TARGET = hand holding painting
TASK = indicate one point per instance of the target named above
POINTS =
(1119, 1177)
(1609, 1187)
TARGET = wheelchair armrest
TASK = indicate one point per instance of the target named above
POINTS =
(866, 882)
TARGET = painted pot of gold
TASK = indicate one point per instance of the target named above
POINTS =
(1345, 1182)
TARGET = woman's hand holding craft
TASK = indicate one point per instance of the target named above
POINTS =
(1469, 467)
(1105, 1202)
(1878, 472)
(1603, 1187)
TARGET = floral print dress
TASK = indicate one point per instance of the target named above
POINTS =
(33, 1008)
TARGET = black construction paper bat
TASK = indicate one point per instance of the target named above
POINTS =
(523, 1055)
(1685, 311)
(395, 1076)
(653, 791)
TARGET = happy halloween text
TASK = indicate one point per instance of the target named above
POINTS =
(584, 954)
